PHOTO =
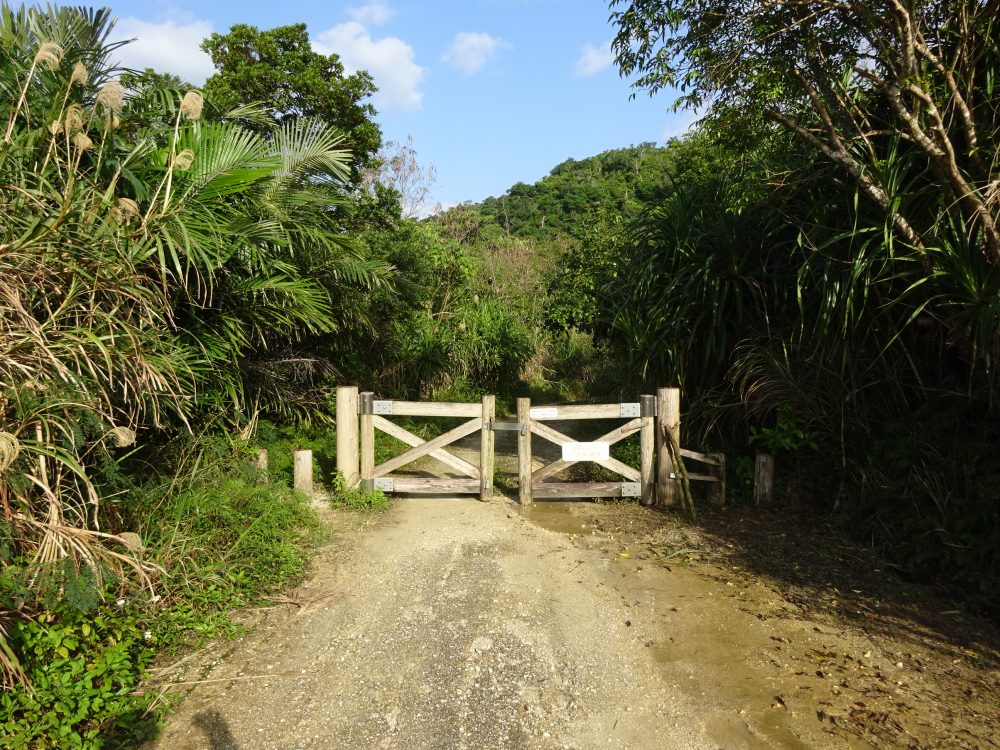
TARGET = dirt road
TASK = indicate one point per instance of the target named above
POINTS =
(459, 624)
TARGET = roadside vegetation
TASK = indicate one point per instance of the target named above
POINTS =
(185, 275)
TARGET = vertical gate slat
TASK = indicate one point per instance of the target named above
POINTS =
(486, 449)
(647, 449)
(524, 451)
(367, 440)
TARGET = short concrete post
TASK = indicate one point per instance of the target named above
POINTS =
(261, 461)
(302, 476)
(763, 479)
(668, 419)
(347, 435)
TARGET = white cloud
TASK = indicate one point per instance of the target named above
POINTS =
(169, 46)
(680, 124)
(389, 60)
(371, 14)
(471, 50)
(594, 59)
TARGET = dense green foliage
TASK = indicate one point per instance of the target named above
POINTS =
(825, 269)
(616, 182)
(218, 540)
(278, 67)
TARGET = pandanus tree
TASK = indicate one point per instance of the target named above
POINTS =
(152, 263)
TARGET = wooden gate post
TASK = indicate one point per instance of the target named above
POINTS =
(302, 471)
(647, 449)
(347, 435)
(524, 451)
(486, 449)
(367, 429)
(668, 417)
(717, 490)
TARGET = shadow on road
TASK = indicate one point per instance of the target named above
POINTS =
(216, 730)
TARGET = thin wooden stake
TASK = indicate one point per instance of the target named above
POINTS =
(348, 436)
(682, 484)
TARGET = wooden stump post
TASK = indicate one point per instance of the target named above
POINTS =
(763, 479)
(668, 417)
(524, 451)
(647, 450)
(302, 475)
(347, 435)
(717, 490)
(367, 428)
(261, 461)
(486, 449)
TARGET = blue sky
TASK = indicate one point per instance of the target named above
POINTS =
(493, 92)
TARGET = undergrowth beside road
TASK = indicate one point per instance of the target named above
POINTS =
(215, 537)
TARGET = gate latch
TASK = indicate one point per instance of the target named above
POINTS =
(510, 427)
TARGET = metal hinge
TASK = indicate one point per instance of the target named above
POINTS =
(382, 407)
(630, 410)
(384, 484)
(630, 489)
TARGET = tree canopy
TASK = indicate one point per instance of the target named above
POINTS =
(279, 67)
(862, 83)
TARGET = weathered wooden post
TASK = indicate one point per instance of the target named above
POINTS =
(763, 478)
(302, 471)
(524, 451)
(486, 449)
(647, 449)
(668, 418)
(717, 490)
(347, 435)
(261, 461)
(367, 428)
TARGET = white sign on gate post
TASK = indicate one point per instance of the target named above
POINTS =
(586, 451)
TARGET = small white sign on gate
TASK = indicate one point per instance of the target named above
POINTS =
(586, 451)
(543, 412)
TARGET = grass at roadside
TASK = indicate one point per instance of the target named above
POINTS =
(214, 537)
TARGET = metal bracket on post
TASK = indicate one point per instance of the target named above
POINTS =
(631, 489)
(382, 407)
(384, 484)
(647, 407)
(630, 410)
(509, 426)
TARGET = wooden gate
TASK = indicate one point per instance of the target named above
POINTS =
(640, 418)
(656, 419)
(375, 414)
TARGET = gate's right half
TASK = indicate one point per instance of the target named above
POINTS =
(655, 418)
